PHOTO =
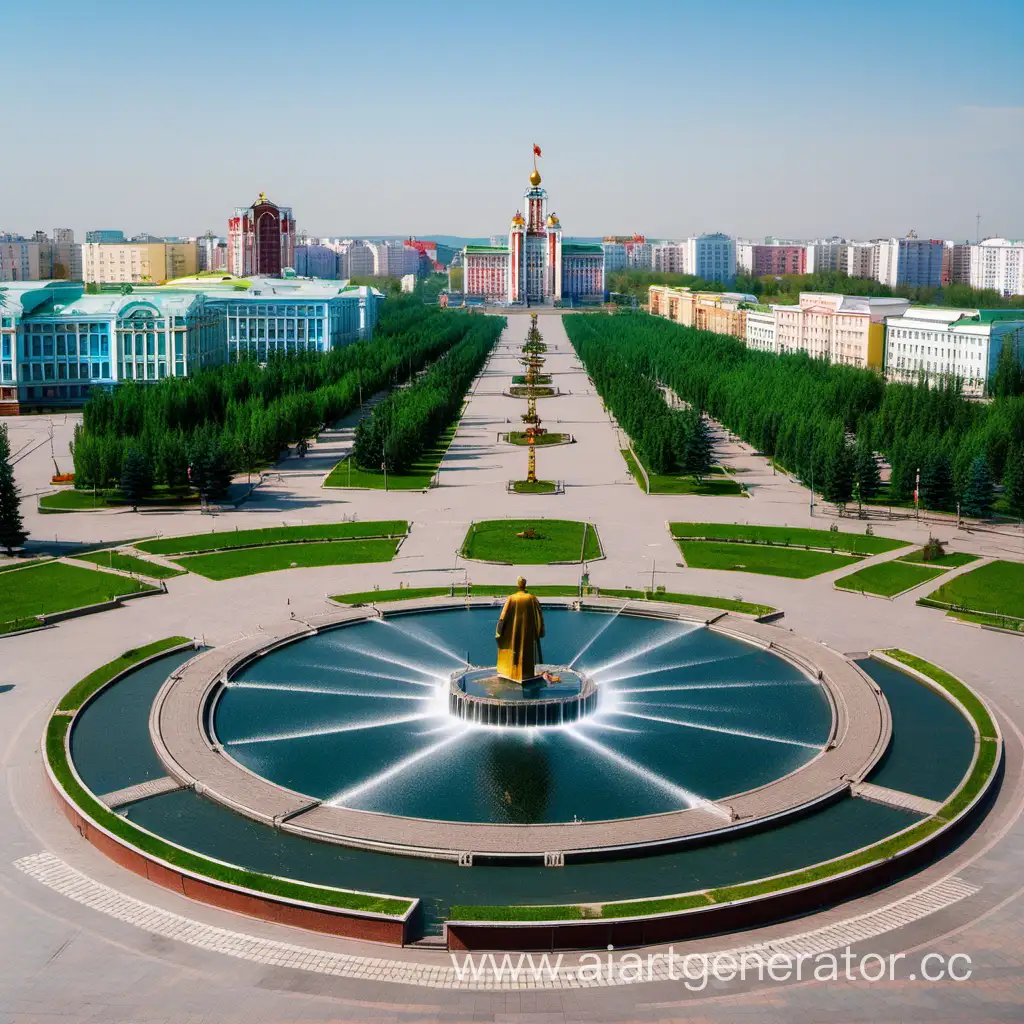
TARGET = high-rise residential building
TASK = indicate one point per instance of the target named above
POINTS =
(998, 263)
(357, 259)
(213, 252)
(393, 258)
(138, 262)
(316, 261)
(614, 256)
(535, 267)
(960, 262)
(105, 235)
(261, 239)
(859, 259)
(916, 262)
(712, 257)
(60, 258)
(939, 344)
(848, 329)
(825, 254)
(760, 260)
(669, 257)
(19, 258)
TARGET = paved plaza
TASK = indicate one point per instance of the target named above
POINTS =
(84, 940)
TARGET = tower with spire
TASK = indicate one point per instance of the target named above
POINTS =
(534, 269)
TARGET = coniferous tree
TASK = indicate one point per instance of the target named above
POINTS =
(698, 457)
(1008, 379)
(869, 479)
(12, 531)
(979, 494)
(1014, 481)
(837, 486)
(136, 475)
(937, 484)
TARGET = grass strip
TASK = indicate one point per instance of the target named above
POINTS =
(534, 487)
(85, 688)
(985, 619)
(796, 563)
(661, 905)
(56, 755)
(471, 912)
(966, 696)
(418, 477)
(878, 851)
(226, 565)
(519, 437)
(887, 579)
(788, 536)
(112, 559)
(228, 540)
(57, 587)
(716, 484)
(554, 590)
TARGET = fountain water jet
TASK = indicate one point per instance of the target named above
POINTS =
(723, 729)
(326, 730)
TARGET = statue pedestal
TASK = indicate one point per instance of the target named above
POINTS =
(556, 696)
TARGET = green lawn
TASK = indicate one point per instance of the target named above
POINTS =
(717, 483)
(996, 588)
(129, 563)
(418, 478)
(56, 587)
(537, 487)
(70, 500)
(227, 540)
(791, 536)
(227, 565)
(554, 590)
(519, 391)
(797, 563)
(984, 619)
(888, 578)
(558, 540)
(950, 561)
(22, 564)
(519, 437)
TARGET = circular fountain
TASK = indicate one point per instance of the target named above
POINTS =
(557, 696)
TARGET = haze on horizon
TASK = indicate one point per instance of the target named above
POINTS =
(665, 117)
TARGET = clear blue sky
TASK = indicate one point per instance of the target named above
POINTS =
(660, 116)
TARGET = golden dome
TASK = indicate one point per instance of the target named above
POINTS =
(552, 221)
(517, 220)
(534, 177)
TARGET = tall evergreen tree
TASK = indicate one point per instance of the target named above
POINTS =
(1008, 379)
(12, 531)
(698, 452)
(979, 494)
(839, 473)
(937, 484)
(136, 475)
(869, 479)
(1014, 481)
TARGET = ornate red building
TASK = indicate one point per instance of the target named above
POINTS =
(261, 239)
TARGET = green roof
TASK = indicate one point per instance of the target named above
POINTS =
(988, 316)
(486, 248)
(588, 248)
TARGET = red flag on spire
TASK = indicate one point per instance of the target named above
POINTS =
(536, 149)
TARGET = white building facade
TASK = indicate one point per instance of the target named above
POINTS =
(998, 263)
(938, 344)
(760, 330)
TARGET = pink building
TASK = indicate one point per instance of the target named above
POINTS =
(777, 259)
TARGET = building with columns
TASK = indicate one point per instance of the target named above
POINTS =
(535, 267)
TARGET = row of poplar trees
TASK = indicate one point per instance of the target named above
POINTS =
(412, 419)
(195, 432)
(819, 420)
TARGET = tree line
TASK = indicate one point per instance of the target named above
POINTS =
(411, 419)
(196, 431)
(824, 421)
(667, 440)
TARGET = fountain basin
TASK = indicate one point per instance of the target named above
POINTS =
(556, 696)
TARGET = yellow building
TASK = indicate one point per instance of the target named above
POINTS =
(138, 262)
(721, 312)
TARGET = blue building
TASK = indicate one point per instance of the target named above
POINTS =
(911, 261)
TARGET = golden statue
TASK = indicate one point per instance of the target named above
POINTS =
(520, 628)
